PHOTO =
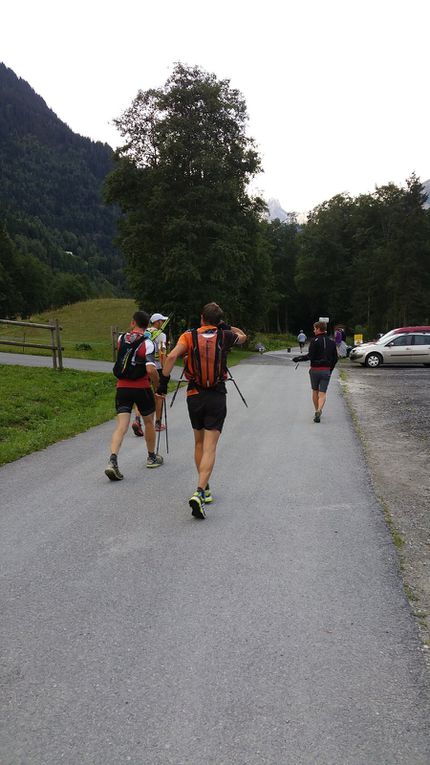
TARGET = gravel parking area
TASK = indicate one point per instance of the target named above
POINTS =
(390, 407)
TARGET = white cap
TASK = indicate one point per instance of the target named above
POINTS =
(158, 317)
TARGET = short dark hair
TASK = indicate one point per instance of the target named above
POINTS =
(321, 325)
(141, 318)
(212, 313)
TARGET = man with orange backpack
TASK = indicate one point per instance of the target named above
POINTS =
(205, 351)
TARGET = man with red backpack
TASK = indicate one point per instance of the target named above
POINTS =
(205, 351)
(135, 369)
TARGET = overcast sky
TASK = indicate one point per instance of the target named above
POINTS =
(337, 90)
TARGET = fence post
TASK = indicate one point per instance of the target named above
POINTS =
(58, 336)
(114, 336)
(54, 354)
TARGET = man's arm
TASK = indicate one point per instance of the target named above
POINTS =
(241, 335)
(151, 370)
(306, 356)
(162, 348)
(176, 353)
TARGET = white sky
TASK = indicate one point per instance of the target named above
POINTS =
(337, 90)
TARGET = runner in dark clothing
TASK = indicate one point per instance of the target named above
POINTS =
(322, 354)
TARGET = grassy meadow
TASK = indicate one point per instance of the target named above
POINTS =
(89, 323)
(42, 406)
(85, 323)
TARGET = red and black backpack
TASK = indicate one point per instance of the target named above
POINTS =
(128, 365)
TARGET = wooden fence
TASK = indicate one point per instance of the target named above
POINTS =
(55, 346)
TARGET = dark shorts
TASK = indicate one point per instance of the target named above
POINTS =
(320, 379)
(142, 397)
(207, 409)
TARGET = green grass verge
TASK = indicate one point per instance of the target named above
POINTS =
(273, 342)
(89, 323)
(41, 406)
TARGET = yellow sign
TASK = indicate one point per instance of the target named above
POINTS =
(358, 339)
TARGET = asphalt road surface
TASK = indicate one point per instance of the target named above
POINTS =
(274, 632)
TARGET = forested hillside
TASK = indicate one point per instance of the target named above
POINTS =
(190, 230)
(52, 214)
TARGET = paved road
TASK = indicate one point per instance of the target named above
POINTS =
(274, 632)
(85, 365)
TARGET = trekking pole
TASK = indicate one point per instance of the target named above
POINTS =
(158, 441)
(177, 388)
(165, 422)
(236, 386)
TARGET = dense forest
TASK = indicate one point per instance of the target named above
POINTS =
(53, 218)
(175, 197)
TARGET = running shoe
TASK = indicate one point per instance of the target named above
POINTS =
(159, 426)
(197, 504)
(317, 416)
(154, 462)
(208, 497)
(137, 427)
(112, 471)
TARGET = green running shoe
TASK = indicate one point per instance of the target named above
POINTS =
(112, 471)
(317, 417)
(208, 496)
(197, 504)
(154, 462)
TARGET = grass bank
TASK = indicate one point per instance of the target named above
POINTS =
(41, 406)
(83, 324)
(86, 331)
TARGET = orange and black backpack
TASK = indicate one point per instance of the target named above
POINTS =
(204, 362)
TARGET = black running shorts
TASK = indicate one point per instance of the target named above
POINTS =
(320, 379)
(142, 397)
(207, 409)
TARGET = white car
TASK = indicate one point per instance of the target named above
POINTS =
(396, 347)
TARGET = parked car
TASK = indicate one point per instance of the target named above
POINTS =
(404, 345)
(402, 331)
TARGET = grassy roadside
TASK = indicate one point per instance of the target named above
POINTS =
(41, 406)
(83, 324)
(86, 330)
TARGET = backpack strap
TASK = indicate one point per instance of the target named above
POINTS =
(197, 362)
(218, 354)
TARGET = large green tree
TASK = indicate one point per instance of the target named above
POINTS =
(190, 230)
(365, 261)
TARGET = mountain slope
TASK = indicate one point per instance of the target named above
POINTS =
(50, 191)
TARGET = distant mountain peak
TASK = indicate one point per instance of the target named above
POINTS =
(426, 185)
(277, 212)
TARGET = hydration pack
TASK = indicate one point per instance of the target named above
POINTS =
(127, 365)
(204, 363)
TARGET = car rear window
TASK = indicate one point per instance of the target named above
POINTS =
(422, 339)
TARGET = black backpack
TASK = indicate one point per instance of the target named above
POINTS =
(127, 366)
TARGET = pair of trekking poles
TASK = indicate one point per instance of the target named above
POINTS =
(230, 377)
(164, 406)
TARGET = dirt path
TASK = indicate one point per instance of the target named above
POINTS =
(390, 408)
